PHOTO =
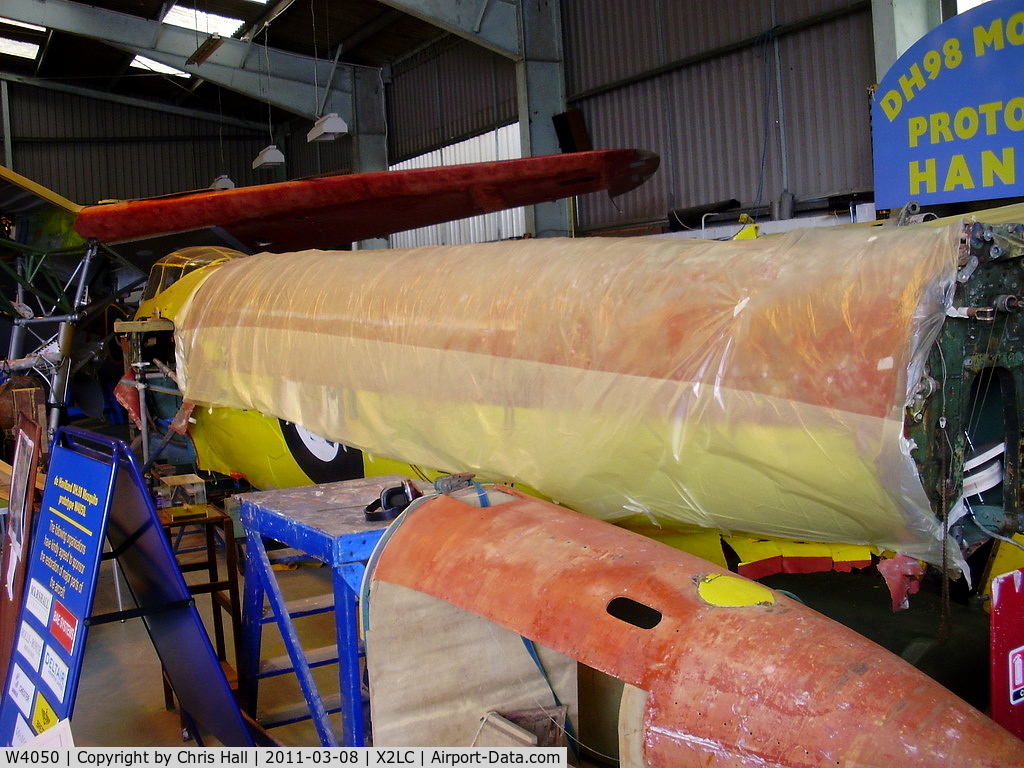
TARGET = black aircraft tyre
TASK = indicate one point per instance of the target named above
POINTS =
(322, 460)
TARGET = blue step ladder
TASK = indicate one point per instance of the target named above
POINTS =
(325, 523)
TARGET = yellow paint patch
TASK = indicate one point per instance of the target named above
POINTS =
(733, 592)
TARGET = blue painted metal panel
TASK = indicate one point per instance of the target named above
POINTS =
(328, 523)
(948, 117)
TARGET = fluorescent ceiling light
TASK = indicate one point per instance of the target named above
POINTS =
(327, 128)
(141, 62)
(18, 48)
(209, 23)
(21, 24)
(269, 157)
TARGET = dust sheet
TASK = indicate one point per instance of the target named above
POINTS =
(751, 386)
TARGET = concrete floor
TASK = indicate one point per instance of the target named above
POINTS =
(120, 700)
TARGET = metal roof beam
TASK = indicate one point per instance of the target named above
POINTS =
(494, 24)
(378, 24)
(289, 81)
(540, 88)
(530, 34)
(898, 24)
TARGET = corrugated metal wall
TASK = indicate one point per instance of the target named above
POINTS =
(827, 107)
(303, 158)
(698, 82)
(446, 93)
(91, 149)
(502, 144)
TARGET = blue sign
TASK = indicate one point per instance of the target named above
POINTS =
(59, 588)
(948, 118)
(95, 492)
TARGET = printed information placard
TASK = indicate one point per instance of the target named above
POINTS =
(95, 492)
(60, 585)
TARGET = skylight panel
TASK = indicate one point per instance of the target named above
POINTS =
(141, 62)
(21, 24)
(18, 48)
(207, 23)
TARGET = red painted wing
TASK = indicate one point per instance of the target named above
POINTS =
(333, 211)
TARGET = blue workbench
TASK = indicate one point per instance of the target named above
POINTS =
(326, 523)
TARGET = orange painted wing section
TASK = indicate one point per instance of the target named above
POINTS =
(765, 683)
(333, 211)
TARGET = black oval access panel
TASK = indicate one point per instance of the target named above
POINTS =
(632, 612)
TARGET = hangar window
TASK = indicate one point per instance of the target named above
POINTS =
(13, 45)
(18, 48)
(207, 23)
(141, 62)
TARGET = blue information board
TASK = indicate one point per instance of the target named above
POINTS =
(95, 492)
(59, 588)
(947, 120)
